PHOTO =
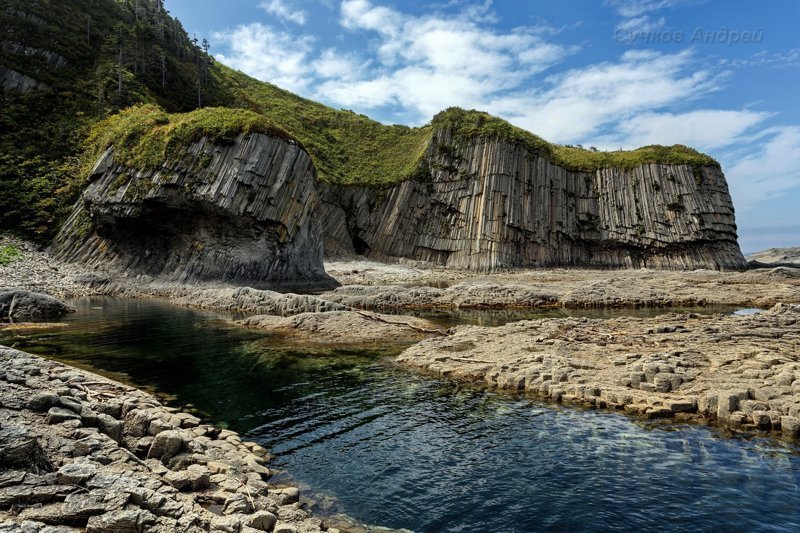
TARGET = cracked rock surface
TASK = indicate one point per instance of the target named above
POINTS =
(80, 452)
(734, 371)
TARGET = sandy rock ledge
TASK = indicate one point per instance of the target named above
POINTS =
(347, 327)
(740, 372)
(80, 452)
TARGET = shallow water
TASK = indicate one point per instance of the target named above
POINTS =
(403, 450)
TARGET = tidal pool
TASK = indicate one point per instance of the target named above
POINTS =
(395, 448)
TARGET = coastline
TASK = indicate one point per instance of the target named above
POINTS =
(83, 451)
(738, 372)
(730, 371)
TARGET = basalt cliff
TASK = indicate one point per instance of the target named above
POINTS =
(257, 181)
(243, 212)
(487, 203)
(251, 211)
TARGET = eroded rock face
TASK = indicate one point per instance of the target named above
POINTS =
(490, 204)
(243, 213)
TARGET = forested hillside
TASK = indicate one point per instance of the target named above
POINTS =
(64, 65)
(67, 67)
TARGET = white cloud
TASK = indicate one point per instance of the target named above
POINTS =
(282, 10)
(362, 14)
(333, 64)
(705, 129)
(269, 55)
(427, 63)
(769, 171)
(790, 58)
(637, 8)
(579, 102)
(640, 25)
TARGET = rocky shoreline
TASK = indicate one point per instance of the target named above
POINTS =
(79, 451)
(410, 285)
(740, 372)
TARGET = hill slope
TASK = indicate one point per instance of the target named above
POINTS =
(67, 65)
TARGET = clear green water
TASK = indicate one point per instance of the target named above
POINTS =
(403, 450)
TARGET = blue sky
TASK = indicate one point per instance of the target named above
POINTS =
(719, 75)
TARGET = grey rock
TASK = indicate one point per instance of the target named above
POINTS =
(262, 521)
(22, 304)
(194, 478)
(227, 524)
(237, 503)
(72, 404)
(244, 213)
(166, 445)
(790, 426)
(33, 494)
(288, 495)
(121, 521)
(43, 401)
(110, 426)
(77, 473)
(137, 421)
(487, 204)
(22, 450)
(157, 426)
(57, 415)
(88, 417)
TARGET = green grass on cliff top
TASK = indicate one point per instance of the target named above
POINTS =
(347, 148)
(145, 135)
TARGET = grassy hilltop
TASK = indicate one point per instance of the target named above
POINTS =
(134, 78)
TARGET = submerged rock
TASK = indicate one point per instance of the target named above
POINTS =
(244, 213)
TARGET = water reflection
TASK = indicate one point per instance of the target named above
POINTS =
(404, 450)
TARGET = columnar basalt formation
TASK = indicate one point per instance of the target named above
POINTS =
(243, 213)
(492, 204)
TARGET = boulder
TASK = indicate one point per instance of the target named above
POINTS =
(18, 304)
(166, 445)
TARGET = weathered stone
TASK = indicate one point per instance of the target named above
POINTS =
(76, 473)
(288, 494)
(238, 503)
(166, 445)
(110, 426)
(157, 426)
(137, 422)
(57, 415)
(43, 401)
(249, 214)
(762, 420)
(262, 521)
(194, 478)
(88, 417)
(488, 204)
(22, 304)
(790, 426)
(72, 404)
(227, 524)
(121, 521)
(32, 494)
(21, 449)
